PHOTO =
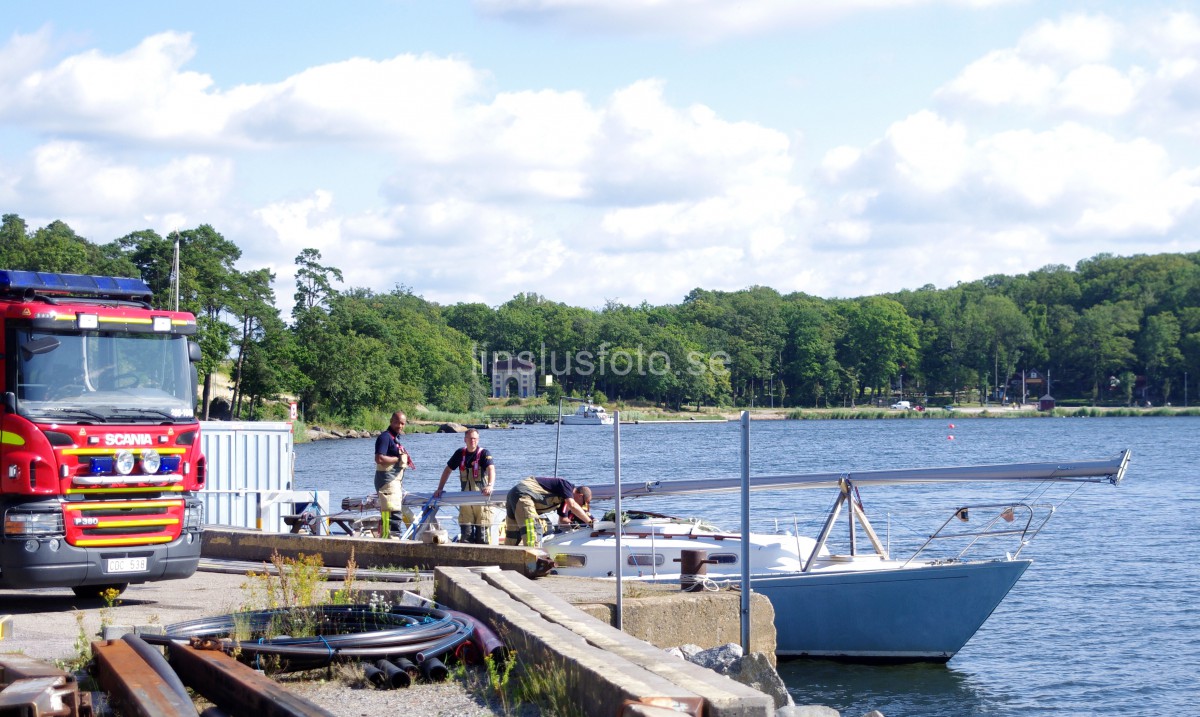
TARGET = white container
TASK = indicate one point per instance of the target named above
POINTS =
(250, 470)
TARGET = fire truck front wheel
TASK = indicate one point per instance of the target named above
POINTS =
(95, 592)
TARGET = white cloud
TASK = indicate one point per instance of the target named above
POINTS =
(22, 55)
(488, 191)
(142, 93)
(1099, 90)
(1071, 40)
(72, 176)
(1058, 66)
(306, 223)
(1074, 180)
(698, 19)
(1046, 151)
(649, 150)
(930, 152)
(1177, 33)
(1003, 78)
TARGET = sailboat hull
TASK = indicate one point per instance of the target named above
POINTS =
(916, 614)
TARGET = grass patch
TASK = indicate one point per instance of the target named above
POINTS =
(515, 685)
(450, 416)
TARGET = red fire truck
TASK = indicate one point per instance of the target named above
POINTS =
(100, 458)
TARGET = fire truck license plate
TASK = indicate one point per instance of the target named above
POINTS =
(126, 565)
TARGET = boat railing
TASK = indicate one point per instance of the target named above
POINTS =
(1012, 519)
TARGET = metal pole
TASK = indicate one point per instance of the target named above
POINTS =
(557, 434)
(617, 531)
(175, 273)
(746, 532)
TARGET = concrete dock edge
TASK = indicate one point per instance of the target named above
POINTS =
(227, 543)
(722, 695)
(603, 667)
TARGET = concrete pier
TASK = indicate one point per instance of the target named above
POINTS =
(603, 669)
(253, 545)
(564, 624)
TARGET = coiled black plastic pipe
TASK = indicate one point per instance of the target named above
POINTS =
(344, 632)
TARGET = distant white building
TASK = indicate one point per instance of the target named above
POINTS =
(514, 377)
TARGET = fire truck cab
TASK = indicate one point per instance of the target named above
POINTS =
(100, 460)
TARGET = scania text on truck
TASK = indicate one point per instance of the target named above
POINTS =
(100, 459)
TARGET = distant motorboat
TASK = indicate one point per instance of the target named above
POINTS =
(587, 414)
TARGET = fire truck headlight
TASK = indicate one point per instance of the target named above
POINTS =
(124, 461)
(193, 517)
(150, 461)
(26, 523)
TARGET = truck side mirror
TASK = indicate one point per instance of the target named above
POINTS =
(194, 354)
(10, 402)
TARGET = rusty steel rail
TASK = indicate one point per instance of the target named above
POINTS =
(33, 688)
(236, 688)
(138, 689)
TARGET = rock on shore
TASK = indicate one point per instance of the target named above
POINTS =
(316, 433)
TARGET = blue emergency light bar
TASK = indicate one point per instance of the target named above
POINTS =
(33, 282)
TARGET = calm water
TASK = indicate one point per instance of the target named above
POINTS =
(1106, 621)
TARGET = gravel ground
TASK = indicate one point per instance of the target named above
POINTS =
(48, 623)
(446, 699)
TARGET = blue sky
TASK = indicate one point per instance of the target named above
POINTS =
(614, 150)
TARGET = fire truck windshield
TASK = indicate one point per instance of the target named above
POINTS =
(103, 376)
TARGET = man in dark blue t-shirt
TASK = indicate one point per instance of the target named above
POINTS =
(476, 472)
(535, 495)
(391, 460)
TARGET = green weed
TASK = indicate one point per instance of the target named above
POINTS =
(82, 646)
(547, 687)
(295, 590)
(512, 685)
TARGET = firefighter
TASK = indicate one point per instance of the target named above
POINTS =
(476, 472)
(391, 460)
(534, 496)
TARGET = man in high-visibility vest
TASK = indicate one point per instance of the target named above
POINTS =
(476, 472)
(533, 496)
(391, 460)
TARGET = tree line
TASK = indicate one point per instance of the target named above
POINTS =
(1110, 330)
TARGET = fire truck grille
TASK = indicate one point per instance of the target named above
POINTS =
(129, 523)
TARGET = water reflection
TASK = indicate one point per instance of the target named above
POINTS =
(895, 690)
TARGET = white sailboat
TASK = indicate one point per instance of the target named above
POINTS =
(861, 605)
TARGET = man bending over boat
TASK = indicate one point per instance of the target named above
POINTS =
(476, 472)
(532, 497)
